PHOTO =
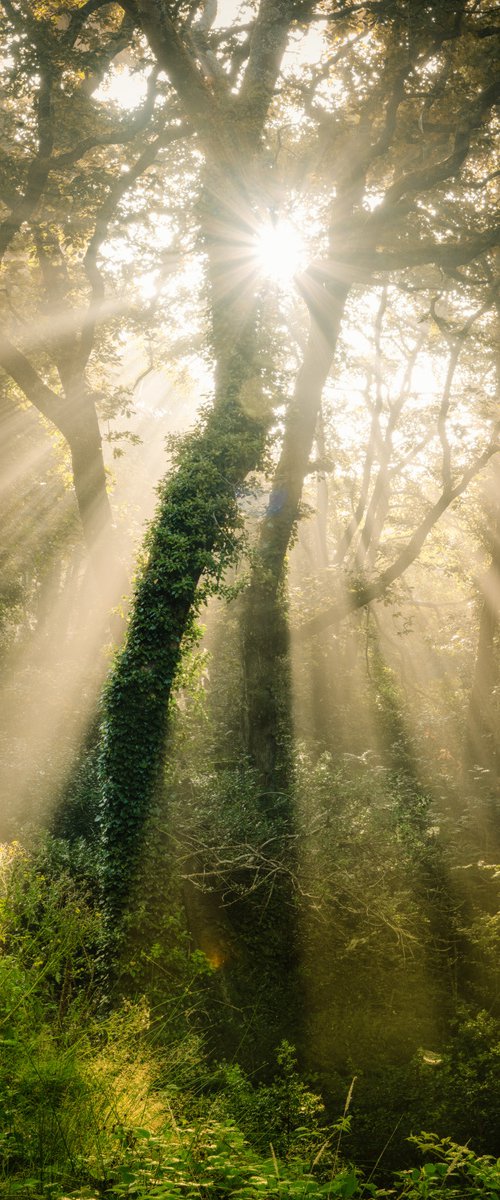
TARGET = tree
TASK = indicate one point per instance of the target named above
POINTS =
(386, 183)
(355, 392)
(198, 509)
(393, 141)
(380, 196)
(67, 165)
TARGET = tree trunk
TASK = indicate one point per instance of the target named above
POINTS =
(482, 735)
(192, 534)
(74, 415)
(89, 478)
(267, 718)
(272, 934)
(482, 740)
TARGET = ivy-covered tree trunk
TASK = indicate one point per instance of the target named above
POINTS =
(198, 508)
(266, 701)
(190, 536)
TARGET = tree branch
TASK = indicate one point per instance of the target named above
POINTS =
(103, 219)
(118, 137)
(442, 254)
(364, 594)
(267, 46)
(79, 16)
(38, 169)
(49, 403)
(179, 62)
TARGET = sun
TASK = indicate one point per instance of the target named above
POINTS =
(280, 252)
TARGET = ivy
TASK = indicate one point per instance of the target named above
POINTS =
(195, 536)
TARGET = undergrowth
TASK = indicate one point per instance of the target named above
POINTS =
(94, 1107)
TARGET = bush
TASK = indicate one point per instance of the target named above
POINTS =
(283, 1113)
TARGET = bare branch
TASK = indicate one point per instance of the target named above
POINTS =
(364, 594)
(105, 215)
(357, 515)
(373, 437)
(456, 341)
(380, 499)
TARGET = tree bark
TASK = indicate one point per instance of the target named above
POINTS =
(89, 478)
(265, 638)
(74, 415)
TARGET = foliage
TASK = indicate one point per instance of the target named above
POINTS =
(101, 1111)
(191, 538)
(317, 894)
(51, 930)
(470, 1077)
(453, 1171)
(284, 1112)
